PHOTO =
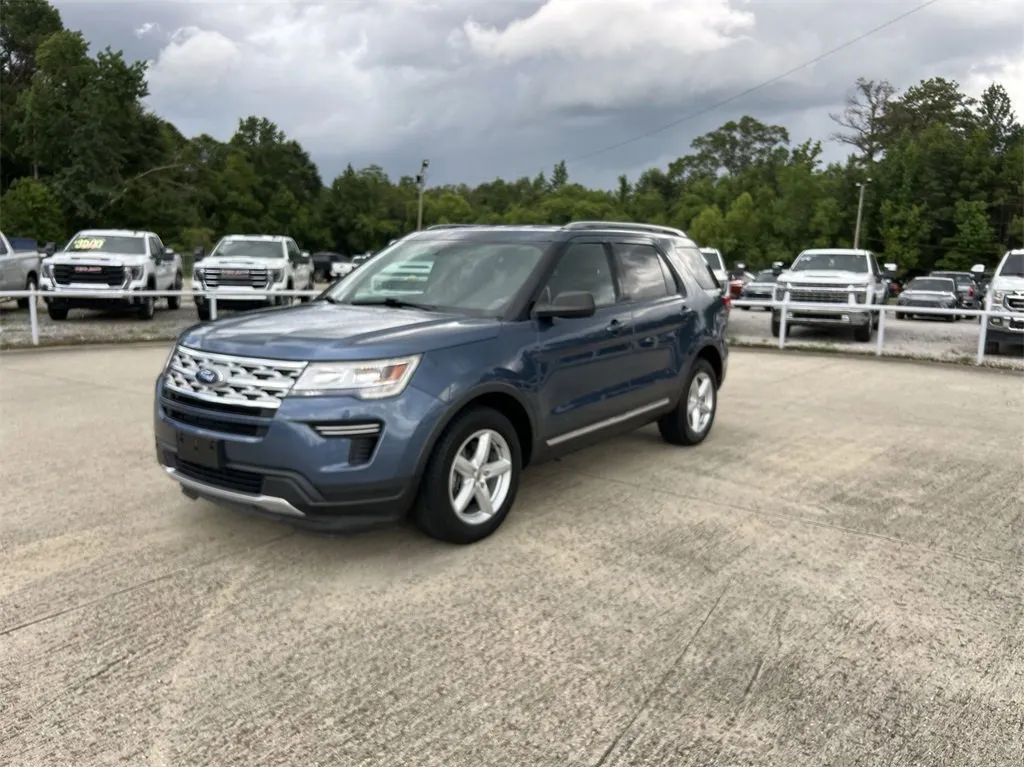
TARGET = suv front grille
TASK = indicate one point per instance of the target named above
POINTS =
(245, 382)
(236, 278)
(228, 479)
(85, 274)
(1014, 303)
(809, 294)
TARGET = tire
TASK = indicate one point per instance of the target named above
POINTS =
(691, 421)
(443, 485)
(203, 312)
(310, 286)
(901, 316)
(30, 284)
(174, 302)
(991, 347)
(147, 309)
(862, 333)
(318, 276)
(953, 317)
(777, 325)
(57, 312)
(745, 308)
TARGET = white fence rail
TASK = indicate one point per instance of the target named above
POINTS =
(34, 295)
(785, 306)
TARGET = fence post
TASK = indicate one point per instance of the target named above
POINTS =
(881, 329)
(33, 316)
(213, 307)
(982, 337)
(782, 320)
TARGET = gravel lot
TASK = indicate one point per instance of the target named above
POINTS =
(817, 584)
(923, 339)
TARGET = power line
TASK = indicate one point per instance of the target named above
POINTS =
(757, 87)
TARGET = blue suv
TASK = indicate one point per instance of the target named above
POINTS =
(423, 383)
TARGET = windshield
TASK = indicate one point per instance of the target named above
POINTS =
(1013, 266)
(125, 246)
(249, 248)
(476, 277)
(830, 262)
(766, 276)
(713, 259)
(928, 283)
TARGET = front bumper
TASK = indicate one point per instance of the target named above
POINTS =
(276, 465)
(839, 317)
(238, 296)
(91, 296)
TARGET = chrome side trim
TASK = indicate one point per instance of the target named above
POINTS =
(615, 420)
(269, 503)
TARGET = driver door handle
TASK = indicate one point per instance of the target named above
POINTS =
(615, 327)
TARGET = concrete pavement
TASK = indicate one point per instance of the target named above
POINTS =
(834, 577)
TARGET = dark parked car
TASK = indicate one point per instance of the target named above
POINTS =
(514, 345)
(322, 262)
(968, 291)
(928, 292)
(761, 288)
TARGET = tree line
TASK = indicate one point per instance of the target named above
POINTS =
(79, 149)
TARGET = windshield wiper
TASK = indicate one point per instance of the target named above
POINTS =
(394, 303)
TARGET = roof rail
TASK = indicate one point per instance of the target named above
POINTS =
(626, 226)
(453, 226)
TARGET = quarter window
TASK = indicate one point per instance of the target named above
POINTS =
(642, 274)
(694, 261)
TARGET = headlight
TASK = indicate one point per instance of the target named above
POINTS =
(197, 273)
(48, 271)
(276, 275)
(998, 296)
(137, 272)
(375, 379)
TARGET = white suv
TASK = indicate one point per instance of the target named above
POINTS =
(99, 262)
(1006, 293)
(243, 268)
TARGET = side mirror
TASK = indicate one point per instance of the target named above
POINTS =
(199, 253)
(49, 249)
(740, 266)
(978, 269)
(890, 267)
(568, 305)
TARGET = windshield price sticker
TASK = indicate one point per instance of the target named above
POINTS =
(88, 243)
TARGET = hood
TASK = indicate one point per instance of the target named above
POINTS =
(826, 277)
(1006, 283)
(928, 294)
(322, 332)
(94, 257)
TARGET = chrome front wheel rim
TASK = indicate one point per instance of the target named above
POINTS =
(480, 477)
(700, 402)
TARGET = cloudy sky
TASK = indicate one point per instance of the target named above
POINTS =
(489, 88)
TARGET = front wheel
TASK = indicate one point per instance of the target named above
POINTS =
(472, 478)
(57, 312)
(147, 309)
(862, 333)
(690, 422)
(777, 325)
(203, 312)
(30, 284)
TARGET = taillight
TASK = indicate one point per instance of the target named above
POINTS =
(727, 300)
(971, 293)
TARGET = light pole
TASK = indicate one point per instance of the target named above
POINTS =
(422, 181)
(860, 212)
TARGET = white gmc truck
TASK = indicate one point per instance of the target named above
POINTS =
(832, 276)
(1006, 293)
(96, 264)
(242, 269)
(19, 268)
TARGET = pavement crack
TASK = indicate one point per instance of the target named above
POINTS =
(754, 677)
(646, 702)
(135, 587)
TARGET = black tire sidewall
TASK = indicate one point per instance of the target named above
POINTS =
(433, 512)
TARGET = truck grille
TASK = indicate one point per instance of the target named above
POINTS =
(240, 381)
(236, 278)
(808, 294)
(86, 274)
(1014, 303)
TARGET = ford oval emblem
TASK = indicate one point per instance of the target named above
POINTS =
(209, 376)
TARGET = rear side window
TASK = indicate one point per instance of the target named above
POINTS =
(692, 260)
(642, 273)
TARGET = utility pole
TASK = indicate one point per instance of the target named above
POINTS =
(860, 212)
(422, 181)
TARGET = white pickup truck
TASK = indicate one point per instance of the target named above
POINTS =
(1006, 293)
(97, 264)
(243, 268)
(832, 276)
(713, 258)
(19, 268)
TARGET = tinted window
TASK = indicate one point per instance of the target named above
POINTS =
(931, 283)
(698, 268)
(831, 262)
(766, 276)
(713, 259)
(584, 266)
(249, 248)
(642, 275)
(3, 248)
(1013, 266)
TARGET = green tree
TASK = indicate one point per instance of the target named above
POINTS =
(29, 209)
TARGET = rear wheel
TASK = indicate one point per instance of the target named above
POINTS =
(690, 422)
(174, 302)
(471, 480)
(57, 312)
(901, 316)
